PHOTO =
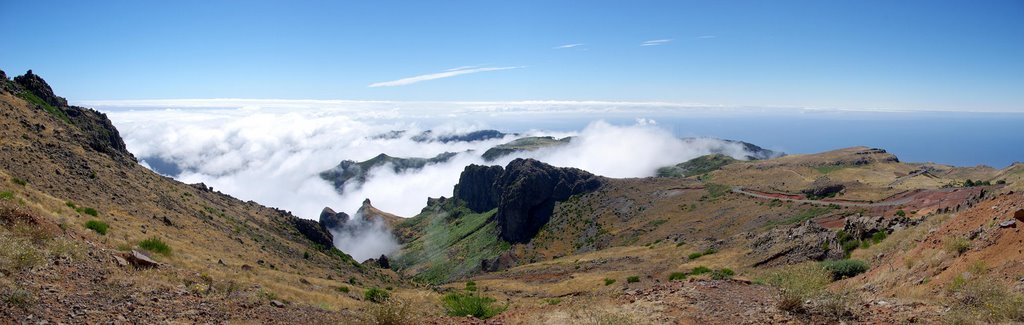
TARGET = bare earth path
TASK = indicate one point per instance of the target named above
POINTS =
(898, 199)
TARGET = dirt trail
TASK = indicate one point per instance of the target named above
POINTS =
(895, 200)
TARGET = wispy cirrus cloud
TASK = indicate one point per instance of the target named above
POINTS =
(656, 42)
(440, 75)
(568, 46)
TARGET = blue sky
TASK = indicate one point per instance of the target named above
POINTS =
(943, 55)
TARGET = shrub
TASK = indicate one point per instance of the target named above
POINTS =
(633, 279)
(722, 274)
(677, 276)
(553, 301)
(343, 289)
(6, 195)
(878, 237)
(99, 227)
(70, 205)
(155, 245)
(376, 294)
(89, 211)
(18, 254)
(700, 270)
(901, 213)
(390, 312)
(19, 181)
(470, 286)
(983, 300)
(459, 305)
(797, 284)
(608, 282)
(694, 256)
(958, 245)
(841, 269)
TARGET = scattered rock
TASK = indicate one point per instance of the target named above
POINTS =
(120, 261)
(140, 260)
(277, 303)
(1012, 223)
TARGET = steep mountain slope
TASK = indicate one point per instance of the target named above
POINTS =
(64, 166)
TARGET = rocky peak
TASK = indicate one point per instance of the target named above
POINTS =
(332, 220)
(37, 86)
(529, 190)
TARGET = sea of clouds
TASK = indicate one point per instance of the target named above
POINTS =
(271, 152)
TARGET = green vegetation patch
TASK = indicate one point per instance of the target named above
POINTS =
(56, 112)
(608, 282)
(697, 255)
(716, 190)
(696, 166)
(841, 269)
(6, 195)
(453, 244)
(470, 304)
(376, 295)
(633, 279)
(155, 245)
(89, 211)
(99, 227)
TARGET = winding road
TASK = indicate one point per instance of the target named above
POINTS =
(891, 201)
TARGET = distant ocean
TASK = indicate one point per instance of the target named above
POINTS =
(960, 139)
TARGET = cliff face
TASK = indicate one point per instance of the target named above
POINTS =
(477, 187)
(525, 193)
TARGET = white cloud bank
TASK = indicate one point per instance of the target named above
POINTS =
(274, 155)
(440, 75)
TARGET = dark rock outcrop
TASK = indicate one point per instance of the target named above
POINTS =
(98, 132)
(822, 188)
(862, 227)
(332, 220)
(313, 231)
(383, 262)
(477, 187)
(529, 190)
(783, 246)
(37, 86)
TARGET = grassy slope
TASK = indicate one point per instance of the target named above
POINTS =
(448, 247)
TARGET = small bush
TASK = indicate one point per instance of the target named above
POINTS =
(841, 269)
(633, 279)
(700, 270)
(459, 305)
(677, 276)
(553, 301)
(470, 286)
(878, 237)
(6, 195)
(155, 245)
(722, 274)
(390, 312)
(978, 299)
(343, 289)
(958, 245)
(608, 282)
(70, 205)
(901, 213)
(694, 256)
(376, 294)
(19, 181)
(99, 227)
(89, 211)
(797, 284)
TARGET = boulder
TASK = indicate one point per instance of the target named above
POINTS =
(140, 260)
(861, 227)
(529, 190)
(383, 262)
(788, 245)
(822, 188)
(1019, 215)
